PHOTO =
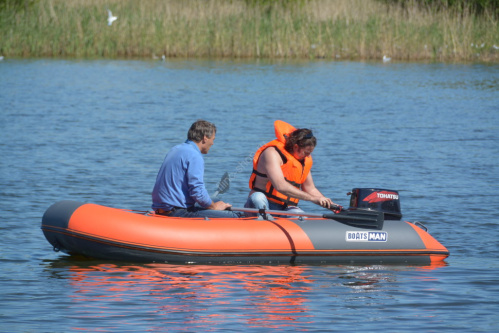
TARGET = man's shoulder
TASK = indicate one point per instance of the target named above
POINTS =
(270, 151)
(189, 151)
(181, 150)
(271, 155)
(184, 146)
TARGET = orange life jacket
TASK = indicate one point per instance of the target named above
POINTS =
(294, 171)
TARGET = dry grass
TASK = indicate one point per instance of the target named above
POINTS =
(332, 29)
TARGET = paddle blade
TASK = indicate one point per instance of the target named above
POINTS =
(367, 219)
(224, 184)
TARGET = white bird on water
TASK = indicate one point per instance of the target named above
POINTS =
(386, 59)
(111, 18)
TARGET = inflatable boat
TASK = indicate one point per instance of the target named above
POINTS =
(370, 231)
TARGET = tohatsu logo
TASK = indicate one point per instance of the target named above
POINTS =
(381, 196)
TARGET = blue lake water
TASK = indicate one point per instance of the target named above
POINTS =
(97, 131)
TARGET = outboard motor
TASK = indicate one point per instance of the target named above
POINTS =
(386, 201)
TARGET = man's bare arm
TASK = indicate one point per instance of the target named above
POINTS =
(272, 163)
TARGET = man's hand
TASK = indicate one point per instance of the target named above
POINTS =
(323, 202)
(219, 205)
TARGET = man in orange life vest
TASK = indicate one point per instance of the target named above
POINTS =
(281, 172)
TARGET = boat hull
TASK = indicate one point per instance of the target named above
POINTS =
(114, 234)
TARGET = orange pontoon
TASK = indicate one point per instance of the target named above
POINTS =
(109, 233)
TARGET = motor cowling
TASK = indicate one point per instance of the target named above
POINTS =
(382, 200)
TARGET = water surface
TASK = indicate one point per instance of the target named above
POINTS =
(97, 131)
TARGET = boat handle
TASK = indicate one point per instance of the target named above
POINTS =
(421, 225)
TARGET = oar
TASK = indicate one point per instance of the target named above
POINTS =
(223, 185)
(357, 218)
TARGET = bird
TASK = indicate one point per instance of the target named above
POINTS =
(1, 58)
(386, 59)
(155, 57)
(495, 47)
(111, 18)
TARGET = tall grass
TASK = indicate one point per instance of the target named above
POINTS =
(332, 29)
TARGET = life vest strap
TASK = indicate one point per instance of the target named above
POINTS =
(259, 173)
(284, 202)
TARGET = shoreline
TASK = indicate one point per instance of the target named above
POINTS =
(251, 60)
(339, 30)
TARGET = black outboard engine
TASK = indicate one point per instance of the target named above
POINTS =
(386, 201)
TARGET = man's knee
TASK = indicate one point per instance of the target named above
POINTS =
(258, 200)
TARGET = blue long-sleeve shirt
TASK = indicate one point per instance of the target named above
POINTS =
(180, 180)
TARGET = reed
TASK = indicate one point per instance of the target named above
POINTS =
(331, 29)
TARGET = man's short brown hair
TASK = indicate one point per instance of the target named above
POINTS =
(200, 129)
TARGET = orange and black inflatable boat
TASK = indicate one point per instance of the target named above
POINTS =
(115, 234)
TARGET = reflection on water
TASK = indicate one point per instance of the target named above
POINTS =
(209, 294)
(256, 296)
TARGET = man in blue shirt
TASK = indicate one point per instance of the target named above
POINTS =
(180, 185)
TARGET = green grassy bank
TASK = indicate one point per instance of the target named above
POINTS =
(330, 29)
